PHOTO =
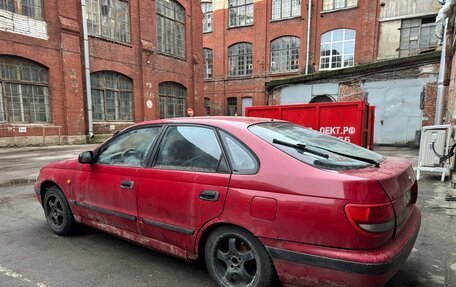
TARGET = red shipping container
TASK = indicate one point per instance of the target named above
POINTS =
(349, 121)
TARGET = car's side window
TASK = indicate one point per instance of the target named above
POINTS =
(190, 148)
(130, 148)
(242, 160)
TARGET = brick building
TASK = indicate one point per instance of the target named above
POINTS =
(145, 63)
(247, 43)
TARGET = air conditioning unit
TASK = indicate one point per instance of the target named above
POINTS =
(434, 144)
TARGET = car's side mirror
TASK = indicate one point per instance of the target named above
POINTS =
(86, 157)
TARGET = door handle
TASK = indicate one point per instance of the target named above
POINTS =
(127, 184)
(209, 195)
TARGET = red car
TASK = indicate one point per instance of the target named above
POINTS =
(261, 201)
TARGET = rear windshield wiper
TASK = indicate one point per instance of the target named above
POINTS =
(363, 159)
(301, 147)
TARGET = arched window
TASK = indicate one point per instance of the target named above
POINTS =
(207, 16)
(170, 28)
(231, 104)
(321, 99)
(285, 54)
(207, 106)
(111, 96)
(24, 91)
(207, 54)
(337, 49)
(172, 100)
(240, 59)
(282, 9)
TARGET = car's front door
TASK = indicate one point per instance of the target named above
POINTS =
(185, 186)
(106, 191)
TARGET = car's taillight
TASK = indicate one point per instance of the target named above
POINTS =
(374, 218)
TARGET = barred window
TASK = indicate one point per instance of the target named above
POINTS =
(207, 106)
(240, 59)
(29, 8)
(338, 4)
(285, 54)
(417, 35)
(171, 28)
(241, 13)
(109, 19)
(282, 9)
(111, 96)
(207, 16)
(231, 104)
(172, 100)
(337, 49)
(207, 54)
(24, 91)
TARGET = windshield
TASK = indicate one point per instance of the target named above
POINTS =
(302, 143)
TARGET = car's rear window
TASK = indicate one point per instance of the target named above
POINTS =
(315, 148)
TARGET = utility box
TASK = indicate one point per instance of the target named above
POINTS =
(434, 144)
(350, 121)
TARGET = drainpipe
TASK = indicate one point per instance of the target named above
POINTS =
(441, 88)
(87, 69)
(309, 17)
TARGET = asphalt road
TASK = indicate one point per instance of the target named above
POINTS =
(31, 255)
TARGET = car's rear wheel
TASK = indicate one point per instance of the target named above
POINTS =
(236, 258)
(57, 211)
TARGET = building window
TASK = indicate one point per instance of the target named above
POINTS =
(282, 9)
(207, 54)
(29, 8)
(232, 106)
(24, 91)
(241, 13)
(207, 16)
(337, 49)
(172, 100)
(111, 96)
(171, 28)
(109, 19)
(207, 106)
(285, 54)
(417, 35)
(338, 4)
(240, 59)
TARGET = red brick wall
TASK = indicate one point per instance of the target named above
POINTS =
(62, 54)
(263, 31)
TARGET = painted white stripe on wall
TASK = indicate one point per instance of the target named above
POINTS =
(23, 25)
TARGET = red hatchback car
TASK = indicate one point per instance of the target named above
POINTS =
(262, 202)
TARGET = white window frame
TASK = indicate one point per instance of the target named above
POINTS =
(330, 59)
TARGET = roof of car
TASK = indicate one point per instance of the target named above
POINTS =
(212, 120)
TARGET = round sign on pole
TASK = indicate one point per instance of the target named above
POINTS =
(149, 104)
(190, 112)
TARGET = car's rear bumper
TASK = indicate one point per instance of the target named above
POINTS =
(308, 265)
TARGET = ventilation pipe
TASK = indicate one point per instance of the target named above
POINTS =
(309, 20)
(442, 28)
(88, 84)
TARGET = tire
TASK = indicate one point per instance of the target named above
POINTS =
(57, 212)
(234, 257)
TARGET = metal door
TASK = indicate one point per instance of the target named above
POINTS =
(398, 115)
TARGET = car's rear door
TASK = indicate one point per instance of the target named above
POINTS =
(185, 185)
(106, 191)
